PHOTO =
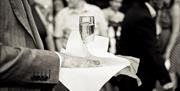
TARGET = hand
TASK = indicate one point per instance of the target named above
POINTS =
(167, 64)
(79, 62)
(168, 87)
(112, 50)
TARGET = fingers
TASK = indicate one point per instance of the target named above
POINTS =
(79, 62)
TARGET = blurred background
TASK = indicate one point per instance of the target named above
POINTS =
(47, 13)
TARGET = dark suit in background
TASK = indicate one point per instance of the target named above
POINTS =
(23, 67)
(138, 39)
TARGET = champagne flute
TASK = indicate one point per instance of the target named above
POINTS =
(86, 28)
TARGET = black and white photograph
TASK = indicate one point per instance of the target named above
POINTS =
(89, 45)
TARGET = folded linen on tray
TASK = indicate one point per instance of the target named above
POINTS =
(84, 78)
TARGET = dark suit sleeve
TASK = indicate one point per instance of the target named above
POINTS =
(28, 65)
(147, 35)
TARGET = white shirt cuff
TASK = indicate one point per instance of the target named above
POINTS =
(60, 59)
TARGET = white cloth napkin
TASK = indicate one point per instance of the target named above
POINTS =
(90, 79)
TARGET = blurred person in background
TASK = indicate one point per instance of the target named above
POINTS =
(58, 5)
(67, 20)
(114, 18)
(169, 21)
(100, 3)
(139, 39)
(174, 49)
